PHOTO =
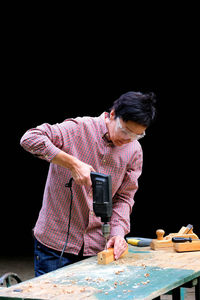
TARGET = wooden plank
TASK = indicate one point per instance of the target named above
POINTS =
(107, 256)
(187, 247)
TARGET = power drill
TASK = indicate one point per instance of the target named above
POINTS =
(102, 200)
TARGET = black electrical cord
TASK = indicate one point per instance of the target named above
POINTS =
(69, 185)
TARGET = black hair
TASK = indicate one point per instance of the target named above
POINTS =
(136, 106)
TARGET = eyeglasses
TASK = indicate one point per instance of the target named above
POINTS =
(127, 133)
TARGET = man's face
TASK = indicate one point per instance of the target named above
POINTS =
(121, 132)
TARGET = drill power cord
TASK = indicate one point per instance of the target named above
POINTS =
(68, 185)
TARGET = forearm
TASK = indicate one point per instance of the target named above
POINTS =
(120, 223)
(65, 160)
(80, 170)
(123, 202)
(122, 207)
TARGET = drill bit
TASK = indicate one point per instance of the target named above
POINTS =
(106, 233)
(106, 248)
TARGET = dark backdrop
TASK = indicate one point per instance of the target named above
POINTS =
(52, 74)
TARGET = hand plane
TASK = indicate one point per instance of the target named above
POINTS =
(166, 242)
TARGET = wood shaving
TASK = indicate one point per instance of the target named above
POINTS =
(88, 278)
(145, 282)
(118, 272)
(70, 292)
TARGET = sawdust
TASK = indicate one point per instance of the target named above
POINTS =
(44, 289)
(163, 259)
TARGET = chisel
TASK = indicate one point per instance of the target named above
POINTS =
(183, 240)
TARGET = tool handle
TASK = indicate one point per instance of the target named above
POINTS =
(181, 240)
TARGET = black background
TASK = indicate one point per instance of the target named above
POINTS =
(60, 64)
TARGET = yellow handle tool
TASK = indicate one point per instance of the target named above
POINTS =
(139, 242)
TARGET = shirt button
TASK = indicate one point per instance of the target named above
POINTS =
(92, 213)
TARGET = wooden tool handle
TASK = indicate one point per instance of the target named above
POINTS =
(160, 234)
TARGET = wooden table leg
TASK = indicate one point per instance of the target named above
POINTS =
(197, 289)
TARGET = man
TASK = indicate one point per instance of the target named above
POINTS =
(106, 144)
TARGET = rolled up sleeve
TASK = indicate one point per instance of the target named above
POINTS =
(44, 141)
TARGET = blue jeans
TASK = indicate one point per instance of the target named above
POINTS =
(47, 259)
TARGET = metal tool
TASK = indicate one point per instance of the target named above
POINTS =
(102, 200)
(183, 240)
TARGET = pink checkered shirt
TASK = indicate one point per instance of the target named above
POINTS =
(84, 138)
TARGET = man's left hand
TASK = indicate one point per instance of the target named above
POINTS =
(119, 245)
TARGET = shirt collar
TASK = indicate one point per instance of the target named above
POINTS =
(104, 129)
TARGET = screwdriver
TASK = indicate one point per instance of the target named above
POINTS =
(183, 240)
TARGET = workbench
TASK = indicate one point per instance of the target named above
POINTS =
(142, 274)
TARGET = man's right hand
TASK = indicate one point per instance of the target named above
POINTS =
(81, 173)
(80, 170)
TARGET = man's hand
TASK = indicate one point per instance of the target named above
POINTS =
(119, 245)
(81, 173)
(80, 170)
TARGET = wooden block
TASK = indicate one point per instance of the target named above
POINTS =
(107, 256)
(187, 247)
(156, 244)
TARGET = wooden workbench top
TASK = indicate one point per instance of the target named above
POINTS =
(142, 274)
